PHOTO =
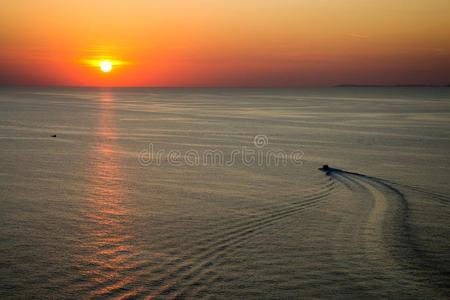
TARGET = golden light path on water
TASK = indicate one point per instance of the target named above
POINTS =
(105, 260)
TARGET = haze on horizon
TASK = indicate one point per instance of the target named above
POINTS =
(225, 43)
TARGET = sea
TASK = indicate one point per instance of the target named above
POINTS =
(208, 193)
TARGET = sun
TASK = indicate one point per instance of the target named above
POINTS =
(106, 66)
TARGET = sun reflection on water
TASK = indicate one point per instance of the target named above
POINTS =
(107, 255)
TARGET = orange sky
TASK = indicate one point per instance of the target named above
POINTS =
(225, 42)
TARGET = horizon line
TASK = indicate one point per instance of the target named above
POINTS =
(227, 87)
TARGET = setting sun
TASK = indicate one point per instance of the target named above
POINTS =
(106, 66)
(106, 63)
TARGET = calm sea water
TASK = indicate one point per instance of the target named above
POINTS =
(145, 193)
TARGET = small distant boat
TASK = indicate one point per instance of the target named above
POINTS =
(54, 135)
(327, 169)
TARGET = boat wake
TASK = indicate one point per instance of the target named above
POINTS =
(197, 272)
(362, 243)
(382, 236)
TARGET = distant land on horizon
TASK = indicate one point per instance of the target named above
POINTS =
(391, 85)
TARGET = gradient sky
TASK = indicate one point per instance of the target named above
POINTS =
(225, 42)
